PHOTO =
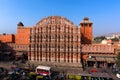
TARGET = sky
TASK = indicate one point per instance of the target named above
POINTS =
(105, 14)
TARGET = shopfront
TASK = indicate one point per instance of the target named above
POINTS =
(100, 62)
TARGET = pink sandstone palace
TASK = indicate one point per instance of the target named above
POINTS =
(55, 40)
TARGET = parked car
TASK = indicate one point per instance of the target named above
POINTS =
(11, 74)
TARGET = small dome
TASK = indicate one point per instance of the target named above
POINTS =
(86, 18)
(20, 24)
(104, 42)
(85, 21)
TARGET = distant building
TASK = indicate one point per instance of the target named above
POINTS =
(113, 35)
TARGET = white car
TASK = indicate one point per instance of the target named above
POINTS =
(118, 75)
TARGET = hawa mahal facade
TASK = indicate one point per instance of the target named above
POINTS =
(56, 40)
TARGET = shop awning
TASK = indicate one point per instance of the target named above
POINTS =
(91, 59)
(100, 59)
(110, 60)
(19, 54)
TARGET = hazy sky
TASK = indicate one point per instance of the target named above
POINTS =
(105, 14)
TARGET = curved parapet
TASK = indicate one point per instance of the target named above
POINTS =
(54, 20)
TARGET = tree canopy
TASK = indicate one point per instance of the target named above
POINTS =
(99, 39)
(115, 39)
(118, 59)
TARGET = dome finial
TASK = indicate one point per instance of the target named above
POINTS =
(86, 18)
(20, 24)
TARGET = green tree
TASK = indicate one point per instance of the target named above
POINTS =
(115, 39)
(118, 60)
(99, 39)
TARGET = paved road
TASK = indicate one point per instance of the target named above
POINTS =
(107, 71)
(7, 65)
